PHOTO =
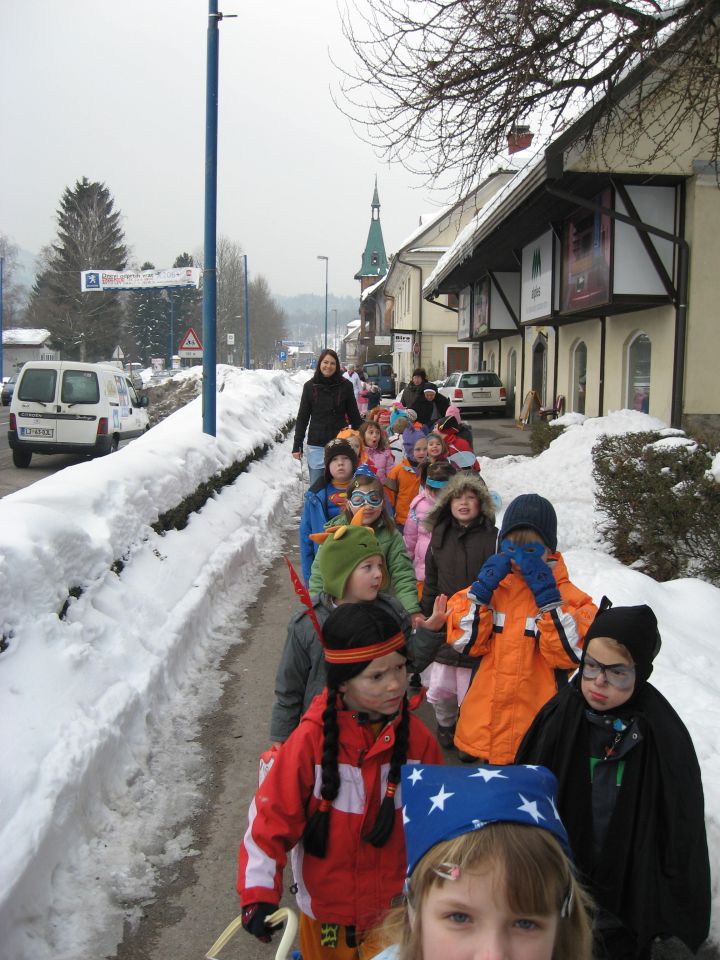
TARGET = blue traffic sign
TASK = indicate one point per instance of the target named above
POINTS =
(282, 355)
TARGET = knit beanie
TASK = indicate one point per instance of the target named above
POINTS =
(453, 411)
(342, 551)
(635, 628)
(353, 626)
(396, 415)
(338, 448)
(533, 511)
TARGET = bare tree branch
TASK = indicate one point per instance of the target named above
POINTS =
(437, 84)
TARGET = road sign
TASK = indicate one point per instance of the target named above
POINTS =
(231, 339)
(190, 346)
(118, 354)
(282, 355)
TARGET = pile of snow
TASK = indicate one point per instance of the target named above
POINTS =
(88, 804)
(86, 696)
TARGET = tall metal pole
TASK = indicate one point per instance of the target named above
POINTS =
(172, 332)
(247, 318)
(210, 258)
(2, 264)
(321, 257)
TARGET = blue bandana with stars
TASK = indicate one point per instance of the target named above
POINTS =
(440, 803)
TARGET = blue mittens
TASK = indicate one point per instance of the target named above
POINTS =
(495, 569)
(536, 573)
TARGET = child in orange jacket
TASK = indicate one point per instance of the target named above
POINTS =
(527, 621)
(403, 482)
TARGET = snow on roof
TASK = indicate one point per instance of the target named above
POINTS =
(32, 336)
(368, 290)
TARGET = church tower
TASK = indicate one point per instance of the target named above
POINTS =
(374, 261)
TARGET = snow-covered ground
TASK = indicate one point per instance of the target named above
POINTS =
(99, 707)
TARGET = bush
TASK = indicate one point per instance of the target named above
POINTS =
(542, 434)
(661, 504)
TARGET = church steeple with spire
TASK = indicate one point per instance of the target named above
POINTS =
(374, 260)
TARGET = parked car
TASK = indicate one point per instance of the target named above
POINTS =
(480, 392)
(383, 375)
(60, 406)
(8, 389)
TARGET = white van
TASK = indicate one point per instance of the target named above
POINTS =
(60, 406)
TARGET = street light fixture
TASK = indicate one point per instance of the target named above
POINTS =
(321, 257)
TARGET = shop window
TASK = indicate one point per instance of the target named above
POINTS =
(639, 353)
(579, 374)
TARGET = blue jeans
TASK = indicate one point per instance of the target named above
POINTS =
(316, 462)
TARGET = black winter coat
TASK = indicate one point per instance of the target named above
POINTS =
(328, 407)
(653, 871)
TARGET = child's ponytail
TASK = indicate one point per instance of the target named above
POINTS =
(315, 835)
(382, 828)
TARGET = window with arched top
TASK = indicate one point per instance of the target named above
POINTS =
(578, 376)
(638, 356)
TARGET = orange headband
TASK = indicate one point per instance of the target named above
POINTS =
(361, 654)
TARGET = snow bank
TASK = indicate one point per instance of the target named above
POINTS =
(85, 696)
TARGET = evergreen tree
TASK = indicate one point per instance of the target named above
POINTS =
(148, 322)
(187, 304)
(83, 325)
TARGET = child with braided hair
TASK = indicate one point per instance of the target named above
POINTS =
(332, 795)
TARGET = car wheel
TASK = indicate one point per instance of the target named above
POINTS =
(21, 458)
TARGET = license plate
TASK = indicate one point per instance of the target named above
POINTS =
(481, 393)
(37, 432)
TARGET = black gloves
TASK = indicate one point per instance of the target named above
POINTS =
(254, 917)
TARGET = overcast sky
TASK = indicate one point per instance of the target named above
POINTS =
(115, 91)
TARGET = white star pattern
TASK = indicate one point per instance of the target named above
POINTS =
(554, 808)
(438, 801)
(487, 774)
(415, 776)
(530, 807)
(479, 824)
(406, 818)
(531, 766)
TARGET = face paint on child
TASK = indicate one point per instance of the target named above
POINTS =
(379, 689)
(599, 693)
(465, 508)
(365, 581)
(420, 451)
(341, 469)
(470, 919)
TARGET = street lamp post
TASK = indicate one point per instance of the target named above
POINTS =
(336, 336)
(169, 298)
(247, 318)
(321, 257)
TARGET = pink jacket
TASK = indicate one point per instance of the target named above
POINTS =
(416, 536)
(382, 462)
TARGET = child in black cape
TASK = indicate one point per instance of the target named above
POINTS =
(630, 793)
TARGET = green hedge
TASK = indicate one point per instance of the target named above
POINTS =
(661, 506)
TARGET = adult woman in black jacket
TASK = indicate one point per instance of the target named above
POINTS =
(327, 404)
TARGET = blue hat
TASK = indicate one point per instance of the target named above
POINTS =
(397, 413)
(364, 471)
(533, 511)
(441, 803)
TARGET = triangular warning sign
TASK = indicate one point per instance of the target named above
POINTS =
(191, 341)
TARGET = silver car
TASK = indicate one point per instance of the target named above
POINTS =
(479, 392)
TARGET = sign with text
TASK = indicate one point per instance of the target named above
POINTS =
(139, 279)
(402, 342)
(190, 346)
(537, 279)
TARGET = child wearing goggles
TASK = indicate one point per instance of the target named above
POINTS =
(645, 860)
(365, 493)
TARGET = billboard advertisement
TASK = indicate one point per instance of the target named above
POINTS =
(537, 279)
(464, 300)
(139, 279)
(481, 308)
(587, 237)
